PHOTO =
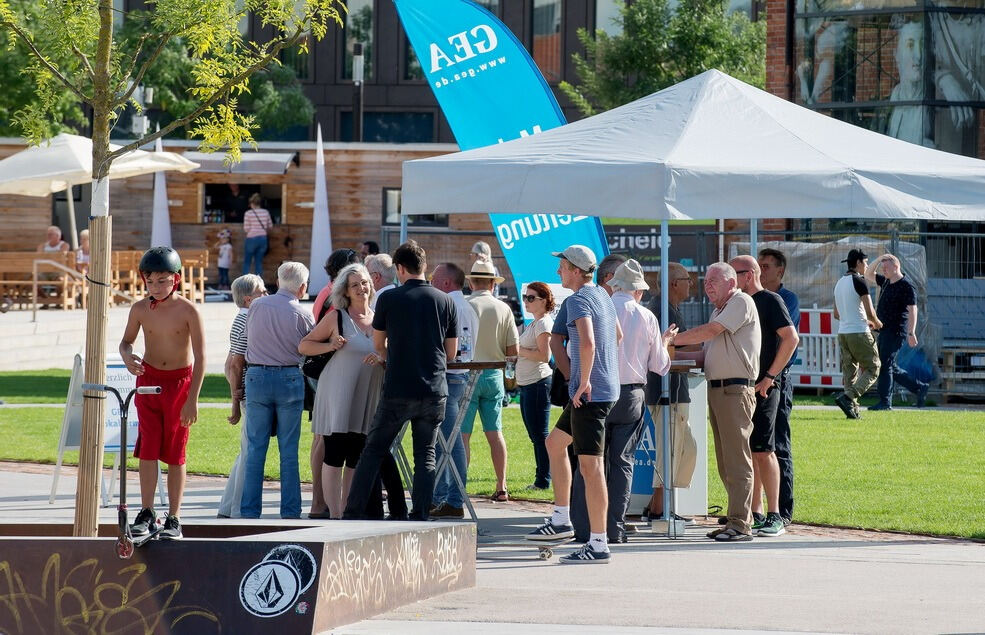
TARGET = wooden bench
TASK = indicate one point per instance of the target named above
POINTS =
(58, 284)
(962, 372)
(194, 263)
(125, 274)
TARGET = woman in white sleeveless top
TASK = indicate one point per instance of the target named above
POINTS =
(349, 387)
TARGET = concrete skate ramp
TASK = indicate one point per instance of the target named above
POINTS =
(244, 576)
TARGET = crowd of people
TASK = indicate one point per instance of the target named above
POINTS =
(387, 331)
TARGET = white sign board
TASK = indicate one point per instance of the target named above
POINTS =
(120, 378)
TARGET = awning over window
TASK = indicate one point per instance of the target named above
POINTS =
(251, 163)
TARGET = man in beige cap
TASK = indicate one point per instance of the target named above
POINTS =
(731, 361)
(588, 320)
(495, 340)
(641, 350)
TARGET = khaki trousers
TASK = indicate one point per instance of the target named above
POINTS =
(730, 410)
(684, 451)
(859, 362)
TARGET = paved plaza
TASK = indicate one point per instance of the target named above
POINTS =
(810, 580)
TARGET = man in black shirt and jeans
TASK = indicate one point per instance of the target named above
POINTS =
(779, 340)
(897, 310)
(414, 332)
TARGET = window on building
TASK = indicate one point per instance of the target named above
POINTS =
(298, 61)
(358, 28)
(890, 72)
(490, 5)
(607, 16)
(118, 9)
(391, 127)
(391, 212)
(412, 65)
(244, 21)
(547, 38)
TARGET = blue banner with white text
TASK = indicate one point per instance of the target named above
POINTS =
(491, 91)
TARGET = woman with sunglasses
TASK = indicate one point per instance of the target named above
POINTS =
(533, 376)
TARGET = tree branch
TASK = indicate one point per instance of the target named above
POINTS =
(143, 68)
(218, 94)
(85, 61)
(133, 61)
(44, 62)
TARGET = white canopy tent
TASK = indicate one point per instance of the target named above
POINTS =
(66, 160)
(709, 147)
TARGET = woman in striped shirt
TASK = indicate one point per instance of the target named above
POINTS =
(256, 222)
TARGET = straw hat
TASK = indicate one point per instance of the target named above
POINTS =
(483, 270)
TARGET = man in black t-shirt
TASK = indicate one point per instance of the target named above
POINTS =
(415, 333)
(778, 343)
(897, 310)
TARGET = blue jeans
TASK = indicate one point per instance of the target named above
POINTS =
(425, 414)
(446, 490)
(535, 407)
(889, 373)
(273, 394)
(254, 249)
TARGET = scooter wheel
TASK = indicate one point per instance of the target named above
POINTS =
(124, 548)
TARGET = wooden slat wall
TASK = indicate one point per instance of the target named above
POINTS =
(24, 218)
(355, 180)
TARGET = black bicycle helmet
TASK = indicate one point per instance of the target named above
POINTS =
(160, 259)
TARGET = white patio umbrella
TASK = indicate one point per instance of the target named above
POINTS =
(66, 160)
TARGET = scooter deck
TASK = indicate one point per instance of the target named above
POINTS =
(545, 548)
(154, 534)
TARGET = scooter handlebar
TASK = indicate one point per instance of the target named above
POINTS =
(141, 390)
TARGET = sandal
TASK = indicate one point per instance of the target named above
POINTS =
(500, 497)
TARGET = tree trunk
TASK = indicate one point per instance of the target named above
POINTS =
(93, 411)
(101, 236)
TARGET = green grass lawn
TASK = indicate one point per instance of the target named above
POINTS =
(51, 386)
(906, 470)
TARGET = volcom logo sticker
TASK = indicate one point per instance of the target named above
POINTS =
(269, 589)
(299, 559)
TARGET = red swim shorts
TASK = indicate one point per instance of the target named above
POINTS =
(160, 435)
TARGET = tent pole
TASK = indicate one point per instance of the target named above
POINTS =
(668, 490)
(74, 241)
(403, 228)
(753, 236)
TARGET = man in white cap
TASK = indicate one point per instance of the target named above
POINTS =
(495, 340)
(594, 334)
(642, 349)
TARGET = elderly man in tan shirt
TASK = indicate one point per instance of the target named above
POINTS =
(731, 361)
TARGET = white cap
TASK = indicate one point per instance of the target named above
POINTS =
(578, 255)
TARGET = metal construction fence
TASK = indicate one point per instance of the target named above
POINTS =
(947, 268)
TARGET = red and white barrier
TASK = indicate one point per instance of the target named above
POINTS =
(819, 357)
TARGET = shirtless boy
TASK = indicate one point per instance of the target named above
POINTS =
(173, 340)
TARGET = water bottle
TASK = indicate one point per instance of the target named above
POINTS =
(509, 372)
(465, 347)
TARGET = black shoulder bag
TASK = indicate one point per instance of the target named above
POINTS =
(313, 365)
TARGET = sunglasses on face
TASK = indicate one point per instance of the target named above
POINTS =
(531, 298)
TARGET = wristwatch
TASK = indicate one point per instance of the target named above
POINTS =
(773, 377)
